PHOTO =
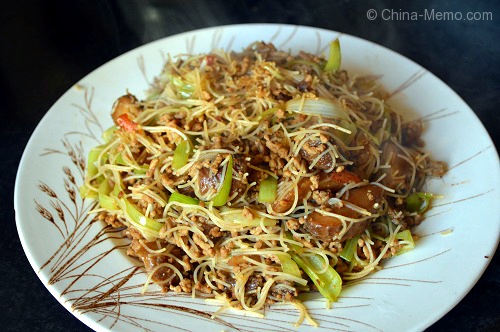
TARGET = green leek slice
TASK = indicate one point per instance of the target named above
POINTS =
(268, 190)
(408, 238)
(181, 155)
(86, 192)
(345, 137)
(142, 169)
(93, 157)
(324, 107)
(119, 159)
(235, 215)
(334, 58)
(180, 198)
(288, 265)
(140, 221)
(221, 198)
(105, 201)
(268, 113)
(349, 249)
(419, 202)
(185, 89)
(329, 283)
(107, 135)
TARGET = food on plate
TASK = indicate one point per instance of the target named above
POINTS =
(252, 177)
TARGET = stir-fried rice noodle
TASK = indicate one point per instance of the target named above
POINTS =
(253, 177)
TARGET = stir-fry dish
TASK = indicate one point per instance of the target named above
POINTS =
(252, 177)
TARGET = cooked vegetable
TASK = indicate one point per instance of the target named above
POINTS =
(108, 134)
(184, 88)
(268, 190)
(148, 227)
(180, 198)
(106, 201)
(181, 154)
(334, 57)
(349, 249)
(329, 282)
(347, 137)
(221, 197)
(419, 202)
(93, 157)
(327, 108)
(288, 265)
(237, 217)
(405, 238)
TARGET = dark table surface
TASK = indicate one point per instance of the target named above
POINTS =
(47, 46)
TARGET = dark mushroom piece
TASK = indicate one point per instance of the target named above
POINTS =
(326, 227)
(333, 181)
(399, 174)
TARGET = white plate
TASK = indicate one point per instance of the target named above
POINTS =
(87, 270)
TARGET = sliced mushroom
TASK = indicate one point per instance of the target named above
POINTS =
(326, 227)
(285, 203)
(335, 181)
(209, 181)
(327, 181)
(400, 172)
(312, 149)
